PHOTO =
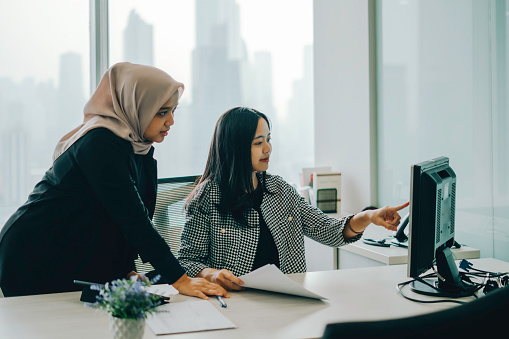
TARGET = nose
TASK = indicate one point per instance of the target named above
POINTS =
(267, 148)
(169, 120)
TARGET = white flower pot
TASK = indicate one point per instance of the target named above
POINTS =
(122, 328)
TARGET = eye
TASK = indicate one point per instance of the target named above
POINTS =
(162, 113)
(173, 110)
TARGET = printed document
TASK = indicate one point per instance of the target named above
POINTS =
(270, 278)
(188, 316)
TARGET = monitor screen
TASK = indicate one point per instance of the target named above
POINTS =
(432, 229)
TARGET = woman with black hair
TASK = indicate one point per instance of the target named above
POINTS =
(240, 218)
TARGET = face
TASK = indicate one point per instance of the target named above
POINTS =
(261, 147)
(158, 128)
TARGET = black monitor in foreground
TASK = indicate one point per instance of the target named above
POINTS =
(431, 229)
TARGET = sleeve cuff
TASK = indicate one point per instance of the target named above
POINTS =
(169, 267)
(193, 268)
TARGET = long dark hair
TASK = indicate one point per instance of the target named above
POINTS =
(229, 161)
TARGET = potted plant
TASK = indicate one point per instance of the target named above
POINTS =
(128, 303)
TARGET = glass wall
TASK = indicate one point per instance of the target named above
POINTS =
(44, 82)
(227, 53)
(442, 74)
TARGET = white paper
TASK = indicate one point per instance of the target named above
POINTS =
(270, 278)
(162, 289)
(187, 316)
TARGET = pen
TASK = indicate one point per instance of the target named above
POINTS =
(221, 301)
(86, 283)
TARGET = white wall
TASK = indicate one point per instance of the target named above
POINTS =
(342, 97)
(342, 108)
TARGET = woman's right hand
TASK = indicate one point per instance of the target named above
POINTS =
(222, 277)
(198, 287)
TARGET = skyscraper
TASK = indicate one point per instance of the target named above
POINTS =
(14, 141)
(25, 148)
(257, 89)
(216, 70)
(138, 41)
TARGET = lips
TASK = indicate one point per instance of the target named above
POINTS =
(265, 160)
(165, 133)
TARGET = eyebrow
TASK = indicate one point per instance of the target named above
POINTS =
(164, 108)
(260, 136)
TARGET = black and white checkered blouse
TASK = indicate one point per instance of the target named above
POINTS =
(216, 240)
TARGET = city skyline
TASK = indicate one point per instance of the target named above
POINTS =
(242, 81)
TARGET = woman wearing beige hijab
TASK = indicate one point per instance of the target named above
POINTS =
(90, 215)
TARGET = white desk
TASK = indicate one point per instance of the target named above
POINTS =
(359, 254)
(320, 257)
(355, 294)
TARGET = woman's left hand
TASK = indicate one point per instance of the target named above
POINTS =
(388, 216)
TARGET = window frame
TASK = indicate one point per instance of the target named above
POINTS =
(99, 41)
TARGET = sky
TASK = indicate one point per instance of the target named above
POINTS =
(36, 33)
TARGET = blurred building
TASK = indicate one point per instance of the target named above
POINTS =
(138, 41)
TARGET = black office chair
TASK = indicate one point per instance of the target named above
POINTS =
(169, 216)
(484, 317)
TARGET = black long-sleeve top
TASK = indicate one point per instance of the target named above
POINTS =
(87, 219)
(266, 250)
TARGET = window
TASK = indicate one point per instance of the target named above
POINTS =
(227, 53)
(44, 82)
(442, 84)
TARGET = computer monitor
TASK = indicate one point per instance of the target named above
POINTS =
(432, 229)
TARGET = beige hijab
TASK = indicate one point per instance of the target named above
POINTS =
(125, 102)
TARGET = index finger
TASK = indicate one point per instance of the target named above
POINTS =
(400, 207)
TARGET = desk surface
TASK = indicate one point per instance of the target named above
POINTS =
(354, 294)
(395, 255)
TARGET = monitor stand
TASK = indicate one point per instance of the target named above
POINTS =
(450, 285)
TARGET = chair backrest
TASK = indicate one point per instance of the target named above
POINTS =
(169, 215)
(477, 318)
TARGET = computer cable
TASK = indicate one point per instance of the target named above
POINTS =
(492, 275)
(488, 281)
(431, 275)
(379, 243)
(492, 280)
(467, 266)
(397, 243)
(455, 293)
